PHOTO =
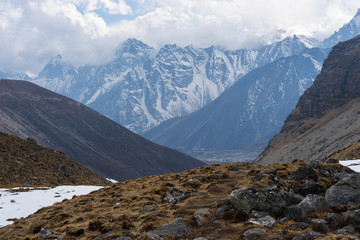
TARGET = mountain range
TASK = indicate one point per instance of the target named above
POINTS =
(143, 87)
(326, 118)
(55, 121)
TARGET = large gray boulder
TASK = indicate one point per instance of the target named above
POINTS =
(177, 229)
(312, 202)
(248, 199)
(344, 192)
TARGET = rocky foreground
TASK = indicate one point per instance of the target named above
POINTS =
(320, 200)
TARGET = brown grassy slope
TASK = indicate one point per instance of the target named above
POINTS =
(119, 210)
(349, 153)
(25, 163)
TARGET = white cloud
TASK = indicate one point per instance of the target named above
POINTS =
(34, 31)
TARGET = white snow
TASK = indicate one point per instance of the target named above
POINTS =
(353, 164)
(22, 204)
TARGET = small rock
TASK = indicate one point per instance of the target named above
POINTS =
(257, 214)
(304, 173)
(254, 233)
(291, 198)
(44, 233)
(177, 229)
(347, 229)
(266, 221)
(344, 192)
(319, 225)
(352, 217)
(224, 211)
(200, 214)
(312, 235)
(299, 226)
(312, 202)
(341, 175)
(294, 213)
(332, 218)
(311, 187)
(174, 196)
(235, 168)
(147, 208)
(122, 238)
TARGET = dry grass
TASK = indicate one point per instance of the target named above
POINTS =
(120, 210)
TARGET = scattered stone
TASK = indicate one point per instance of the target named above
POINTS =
(177, 229)
(148, 208)
(311, 187)
(44, 233)
(225, 211)
(254, 233)
(319, 225)
(200, 214)
(248, 199)
(304, 173)
(299, 226)
(266, 221)
(122, 238)
(174, 196)
(312, 235)
(352, 217)
(347, 229)
(332, 218)
(258, 214)
(312, 202)
(235, 168)
(344, 192)
(291, 198)
(294, 213)
(341, 175)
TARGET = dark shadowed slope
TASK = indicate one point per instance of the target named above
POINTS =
(327, 117)
(25, 163)
(55, 121)
(247, 114)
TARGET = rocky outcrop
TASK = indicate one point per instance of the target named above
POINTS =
(346, 191)
(326, 118)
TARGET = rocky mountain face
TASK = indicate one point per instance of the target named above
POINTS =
(142, 87)
(250, 112)
(326, 118)
(229, 201)
(55, 121)
(25, 163)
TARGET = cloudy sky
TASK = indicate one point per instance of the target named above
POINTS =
(89, 31)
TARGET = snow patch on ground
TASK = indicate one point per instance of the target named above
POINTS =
(22, 204)
(352, 164)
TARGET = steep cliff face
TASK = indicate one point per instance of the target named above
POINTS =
(327, 105)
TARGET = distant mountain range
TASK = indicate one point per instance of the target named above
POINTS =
(248, 113)
(327, 117)
(143, 88)
(55, 121)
